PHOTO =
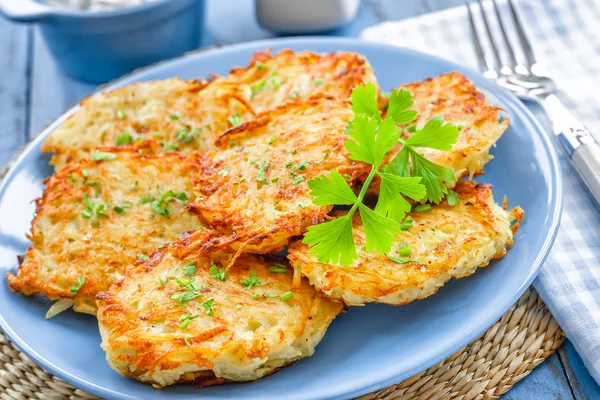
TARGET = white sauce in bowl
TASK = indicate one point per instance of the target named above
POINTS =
(94, 5)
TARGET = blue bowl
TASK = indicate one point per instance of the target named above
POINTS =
(100, 46)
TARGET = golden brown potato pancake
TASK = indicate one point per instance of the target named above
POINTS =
(178, 115)
(96, 217)
(256, 193)
(445, 242)
(187, 115)
(456, 99)
(174, 318)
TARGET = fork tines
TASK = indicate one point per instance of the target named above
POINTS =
(498, 57)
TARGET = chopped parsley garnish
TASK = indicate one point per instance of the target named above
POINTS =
(404, 249)
(102, 156)
(278, 269)
(142, 256)
(185, 296)
(120, 114)
(185, 320)
(162, 205)
(407, 223)
(289, 164)
(293, 95)
(303, 206)
(92, 209)
(371, 138)
(134, 187)
(224, 172)
(293, 152)
(422, 208)
(119, 210)
(72, 178)
(146, 199)
(323, 158)
(216, 272)
(256, 296)
(273, 139)
(208, 305)
(240, 181)
(260, 65)
(186, 337)
(301, 166)
(298, 179)
(452, 198)
(286, 296)
(253, 280)
(258, 87)
(160, 246)
(276, 83)
(189, 269)
(235, 119)
(185, 136)
(124, 138)
(173, 117)
(92, 183)
(400, 260)
(262, 170)
(318, 81)
(78, 284)
(170, 147)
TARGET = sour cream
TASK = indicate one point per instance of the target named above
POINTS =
(95, 5)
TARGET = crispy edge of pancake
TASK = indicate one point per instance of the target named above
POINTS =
(218, 348)
(27, 279)
(362, 282)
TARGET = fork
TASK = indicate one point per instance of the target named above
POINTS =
(528, 81)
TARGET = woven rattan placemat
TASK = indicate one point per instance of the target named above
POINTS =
(485, 369)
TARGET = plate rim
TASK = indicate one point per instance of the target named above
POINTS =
(346, 390)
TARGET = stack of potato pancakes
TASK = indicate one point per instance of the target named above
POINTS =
(173, 200)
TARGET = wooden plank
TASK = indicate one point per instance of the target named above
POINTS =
(14, 81)
(583, 385)
(548, 381)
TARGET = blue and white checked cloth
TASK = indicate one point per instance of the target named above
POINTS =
(565, 36)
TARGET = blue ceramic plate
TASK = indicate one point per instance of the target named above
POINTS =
(366, 348)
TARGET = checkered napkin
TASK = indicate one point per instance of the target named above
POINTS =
(565, 36)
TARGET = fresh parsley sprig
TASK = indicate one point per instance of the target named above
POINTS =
(371, 138)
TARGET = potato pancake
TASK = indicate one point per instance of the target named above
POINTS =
(182, 317)
(179, 115)
(271, 81)
(456, 99)
(96, 217)
(443, 243)
(186, 116)
(256, 193)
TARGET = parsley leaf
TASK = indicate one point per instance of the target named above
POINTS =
(432, 175)
(435, 135)
(364, 100)
(400, 101)
(331, 190)
(190, 269)
(391, 203)
(208, 305)
(379, 230)
(332, 241)
(124, 138)
(372, 139)
(235, 119)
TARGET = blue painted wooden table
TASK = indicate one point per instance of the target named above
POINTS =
(33, 92)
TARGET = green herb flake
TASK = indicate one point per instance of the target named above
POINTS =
(298, 179)
(318, 81)
(303, 206)
(189, 269)
(276, 83)
(124, 138)
(422, 208)
(185, 297)
(235, 119)
(208, 305)
(186, 319)
(293, 94)
(260, 65)
(278, 269)
(401, 260)
(240, 181)
(119, 210)
(404, 249)
(216, 272)
(187, 337)
(253, 280)
(273, 139)
(146, 199)
(173, 117)
(142, 256)
(274, 179)
(286, 296)
(102, 156)
(224, 172)
(452, 198)
(120, 114)
(134, 187)
(258, 87)
(73, 290)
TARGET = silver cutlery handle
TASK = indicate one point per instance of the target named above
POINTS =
(579, 144)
